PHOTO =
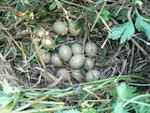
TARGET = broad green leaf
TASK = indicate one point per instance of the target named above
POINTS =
(105, 14)
(123, 31)
(119, 108)
(122, 91)
(52, 6)
(4, 98)
(22, 7)
(139, 108)
(143, 109)
(143, 26)
(131, 92)
(8, 97)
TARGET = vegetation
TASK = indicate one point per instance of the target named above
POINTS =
(108, 38)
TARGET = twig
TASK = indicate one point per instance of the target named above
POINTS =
(86, 31)
(97, 16)
(104, 43)
(40, 57)
(131, 59)
(141, 49)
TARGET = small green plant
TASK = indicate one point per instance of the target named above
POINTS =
(123, 31)
(126, 30)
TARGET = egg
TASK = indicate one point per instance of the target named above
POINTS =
(89, 64)
(55, 60)
(47, 43)
(64, 74)
(74, 32)
(76, 74)
(76, 48)
(60, 28)
(65, 52)
(92, 75)
(46, 57)
(76, 61)
(91, 49)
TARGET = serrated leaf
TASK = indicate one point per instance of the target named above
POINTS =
(131, 92)
(119, 108)
(143, 26)
(122, 91)
(123, 31)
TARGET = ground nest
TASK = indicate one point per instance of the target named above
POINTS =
(122, 62)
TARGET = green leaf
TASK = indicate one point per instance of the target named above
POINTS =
(121, 15)
(105, 14)
(8, 1)
(46, 19)
(119, 108)
(90, 110)
(42, 12)
(82, 70)
(122, 91)
(139, 108)
(125, 92)
(22, 7)
(143, 26)
(123, 31)
(8, 97)
(52, 6)
(131, 92)
(93, 18)
(2, 41)
(5, 99)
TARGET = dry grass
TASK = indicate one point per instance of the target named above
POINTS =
(40, 90)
